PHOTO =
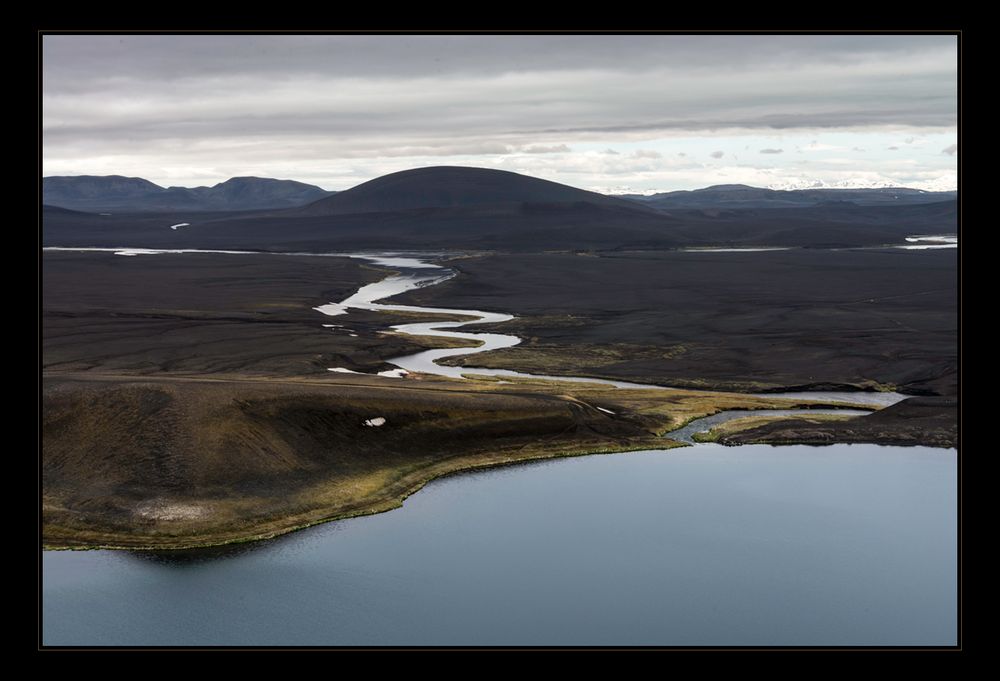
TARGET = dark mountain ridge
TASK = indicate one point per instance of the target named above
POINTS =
(744, 196)
(109, 193)
(476, 208)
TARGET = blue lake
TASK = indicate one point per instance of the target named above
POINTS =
(707, 545)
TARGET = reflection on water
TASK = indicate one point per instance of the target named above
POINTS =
(188, 557)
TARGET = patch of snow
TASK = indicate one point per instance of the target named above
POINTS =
(734, 250)
(376, 422)
(394, 373)
(180, 224)
(332, 309)
(940, 239)
(606, 411)
(342, 370)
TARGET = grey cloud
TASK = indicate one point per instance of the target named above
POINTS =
(717, 154)
(681, 154)
(646, 153)
(541, 149)
(86, 58)
(610, 151)
(892, 148)
(772, 151)
(950, 150)
(844, 119)
(857, 149)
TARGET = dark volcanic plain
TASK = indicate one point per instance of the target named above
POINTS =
(804, 318)
(207, 313)
(187, 399)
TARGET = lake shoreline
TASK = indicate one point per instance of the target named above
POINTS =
(462, 425)
(188, 462)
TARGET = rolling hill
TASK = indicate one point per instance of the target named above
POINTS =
(456, 187)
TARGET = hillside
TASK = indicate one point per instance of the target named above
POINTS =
(454, 187)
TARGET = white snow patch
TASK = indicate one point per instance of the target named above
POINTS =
(942, 238)
(377, 421)
(343, 370)
(734, 250)
(332, 309)
(394, 373)
(606, 411)
(180, 224)
(936, 241)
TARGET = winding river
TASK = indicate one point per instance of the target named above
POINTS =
(419, 272)
(706, 545)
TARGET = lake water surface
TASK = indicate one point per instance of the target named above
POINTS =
(707, 545)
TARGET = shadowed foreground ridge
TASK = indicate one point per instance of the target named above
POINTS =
(186, 462)
(175, 462)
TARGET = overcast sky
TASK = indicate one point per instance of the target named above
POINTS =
(608, 113)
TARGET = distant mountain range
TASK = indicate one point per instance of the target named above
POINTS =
(437, 187)
(744, 196)
(477, 208)
(114, 193)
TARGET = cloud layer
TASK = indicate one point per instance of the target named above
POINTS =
(193, 109)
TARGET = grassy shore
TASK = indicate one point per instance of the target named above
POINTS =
(180, 462)
(728, 428)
